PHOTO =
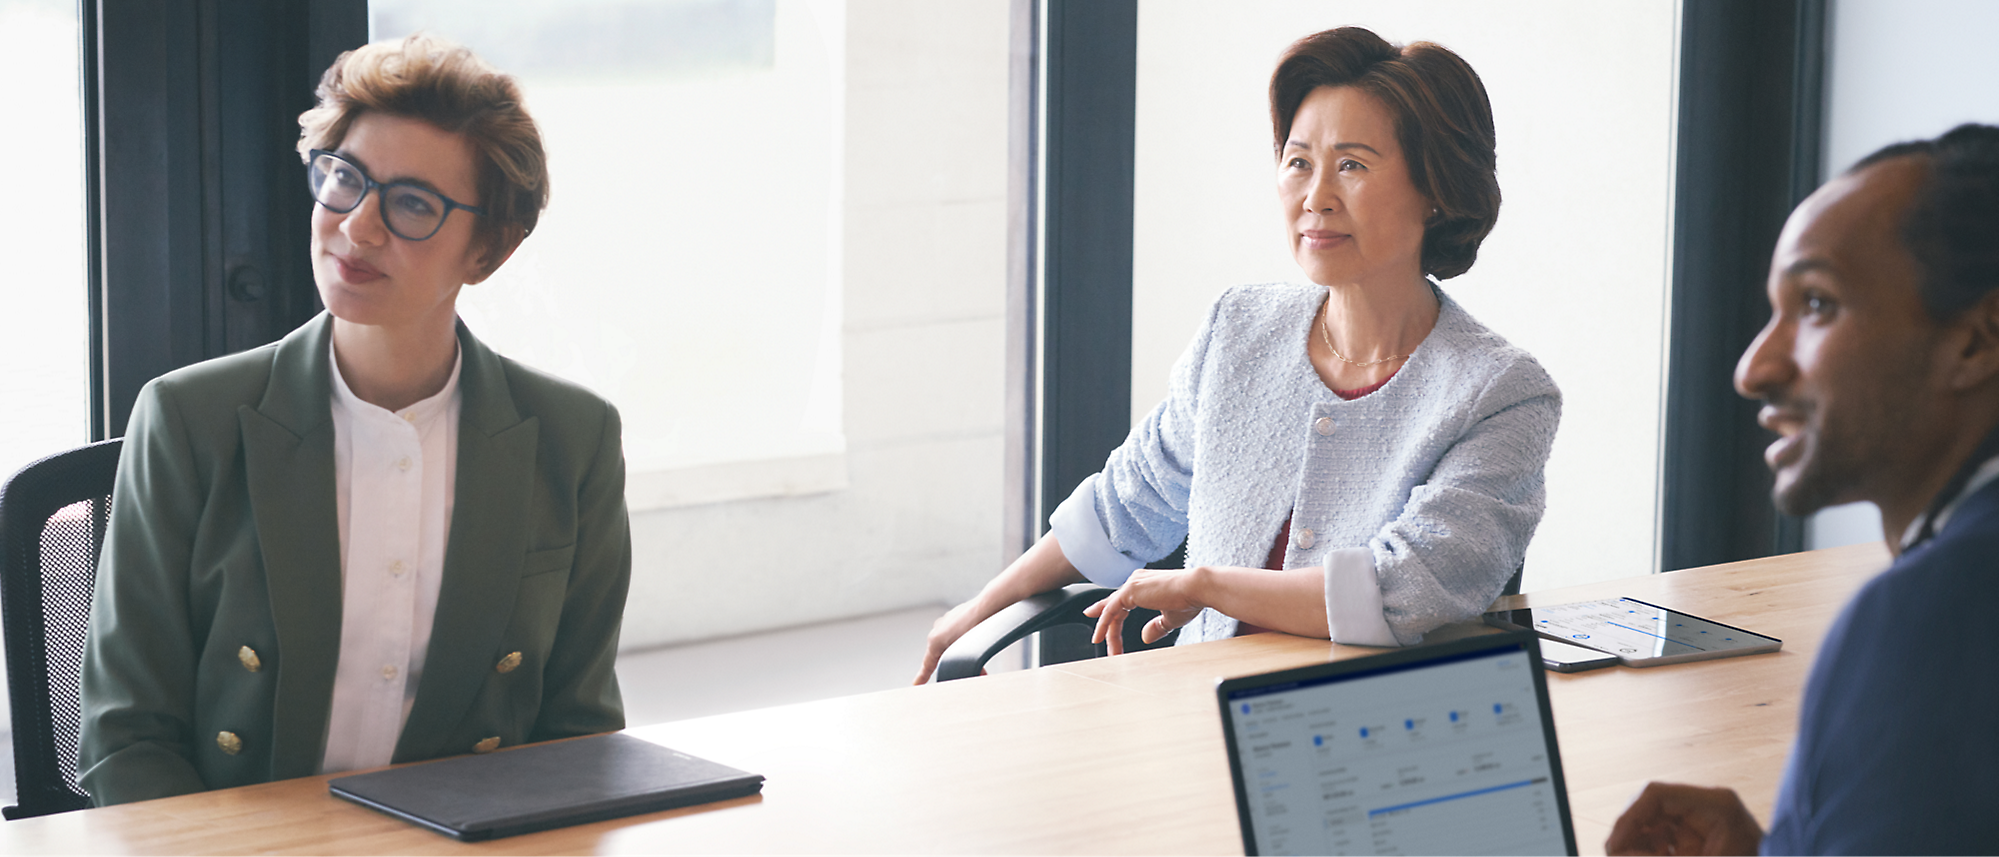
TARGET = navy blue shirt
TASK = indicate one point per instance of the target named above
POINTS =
(1898, 739)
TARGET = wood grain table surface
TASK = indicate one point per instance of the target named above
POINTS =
(1109, 756)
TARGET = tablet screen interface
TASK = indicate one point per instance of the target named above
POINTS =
(1635, 630)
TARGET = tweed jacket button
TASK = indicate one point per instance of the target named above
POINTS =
(1305, 538)
(487, 746)
(229, 742)
(1323, 425)
(249, 658)
(507, 664)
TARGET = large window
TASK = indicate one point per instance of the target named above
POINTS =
(1575, 272)
(777, 243)
(687, 267)
(44, 320)
(44, 313)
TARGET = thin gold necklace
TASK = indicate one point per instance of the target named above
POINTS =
(1326, 331)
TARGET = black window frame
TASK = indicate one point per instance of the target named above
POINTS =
(1750, 135)
(197, 218)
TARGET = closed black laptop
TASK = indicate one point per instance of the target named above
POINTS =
(545, 786)
(1442, 749)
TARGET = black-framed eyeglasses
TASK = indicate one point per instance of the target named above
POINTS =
(411, 211)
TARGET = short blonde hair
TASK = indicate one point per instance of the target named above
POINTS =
(445, 84)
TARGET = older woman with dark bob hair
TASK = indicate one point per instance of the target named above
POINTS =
(376, 540)
(1356, 458)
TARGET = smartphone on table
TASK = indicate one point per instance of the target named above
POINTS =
(1568, 658)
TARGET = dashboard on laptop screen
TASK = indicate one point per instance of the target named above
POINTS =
(1439, 757)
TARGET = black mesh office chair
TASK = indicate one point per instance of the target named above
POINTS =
(52, 519)
(1057, 615)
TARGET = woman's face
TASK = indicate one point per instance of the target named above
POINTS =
(1350, 211)
(369, 275)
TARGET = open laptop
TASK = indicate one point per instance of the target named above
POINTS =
(1442, 749)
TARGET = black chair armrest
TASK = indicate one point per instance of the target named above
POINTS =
(1054, 609)
(967, 657)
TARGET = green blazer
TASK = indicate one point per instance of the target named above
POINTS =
(215, 626)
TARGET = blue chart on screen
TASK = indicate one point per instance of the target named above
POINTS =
(1440, 758)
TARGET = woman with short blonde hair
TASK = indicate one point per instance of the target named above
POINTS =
(376, 540)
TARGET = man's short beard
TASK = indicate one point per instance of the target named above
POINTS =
(1821, 480)
(1804, 497)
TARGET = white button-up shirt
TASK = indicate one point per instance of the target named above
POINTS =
(394, 474)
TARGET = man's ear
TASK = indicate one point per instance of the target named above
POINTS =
(495, 253)
(1977, 360)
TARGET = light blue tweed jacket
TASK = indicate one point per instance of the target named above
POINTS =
(1438, 474)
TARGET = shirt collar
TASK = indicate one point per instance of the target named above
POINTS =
(417, 414)
(1981, 477)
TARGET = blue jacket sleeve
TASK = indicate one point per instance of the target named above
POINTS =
(1466, 527)
(1134, 511)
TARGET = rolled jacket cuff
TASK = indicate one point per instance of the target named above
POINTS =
(1353, 600)
(1085, 544)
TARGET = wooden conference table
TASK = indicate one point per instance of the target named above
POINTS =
(1117, 755)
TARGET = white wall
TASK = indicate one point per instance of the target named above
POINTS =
(791, 281)
(923, 280)
(1575, 271)
(1898, 71)
(714, 324)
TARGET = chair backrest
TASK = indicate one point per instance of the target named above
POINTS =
(52, 519)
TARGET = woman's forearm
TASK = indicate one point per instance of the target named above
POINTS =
(1041, 568)
(1291, 601)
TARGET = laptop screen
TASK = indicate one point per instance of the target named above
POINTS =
(1445, 749)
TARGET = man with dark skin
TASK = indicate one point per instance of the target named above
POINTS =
(1879, 369)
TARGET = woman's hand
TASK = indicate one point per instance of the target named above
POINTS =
(1292, 601)
(947, 629)
(1175, 593)
(1041, 568)
(1668, 818)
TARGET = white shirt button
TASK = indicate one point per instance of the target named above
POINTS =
(1304, 538)
(403, 464)
(409, 416)
(389, 672)
(1323, 425)
(397, 568)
